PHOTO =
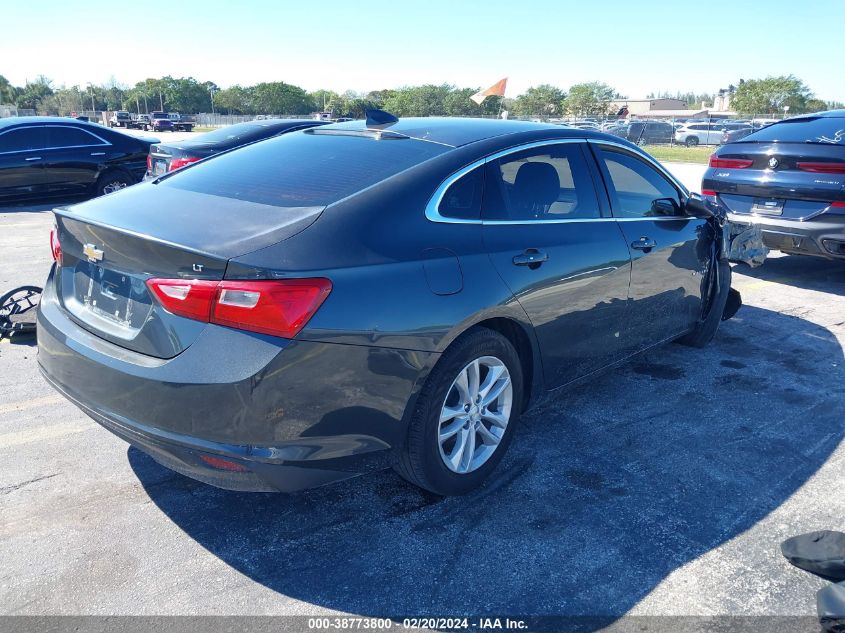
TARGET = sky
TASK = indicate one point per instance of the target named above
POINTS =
(638, 47)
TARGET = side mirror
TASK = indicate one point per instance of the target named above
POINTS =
(698, 207)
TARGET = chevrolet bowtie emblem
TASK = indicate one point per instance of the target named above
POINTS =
(93, 253)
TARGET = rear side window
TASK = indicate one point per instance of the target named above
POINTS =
(23, 139)
(70, 137)
(303, 170)
(825, 130)
(637, 189)
(462, 199)
(551, 182)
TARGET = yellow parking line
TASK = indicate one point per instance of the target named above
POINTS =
(18, 438)
(22, 405)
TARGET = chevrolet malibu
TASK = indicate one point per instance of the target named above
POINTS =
(364, 294)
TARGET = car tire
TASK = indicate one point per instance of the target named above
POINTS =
(706, 328)
(691, 141)
(425, 457)
(642, 142)
(112, 181)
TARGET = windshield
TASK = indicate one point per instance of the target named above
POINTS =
(824, 130)
(303, 170)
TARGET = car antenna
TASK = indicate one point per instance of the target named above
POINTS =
(380, 117)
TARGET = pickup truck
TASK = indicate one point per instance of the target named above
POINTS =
(140, 122)
(121, 118)
(182, 122)
(159, 121)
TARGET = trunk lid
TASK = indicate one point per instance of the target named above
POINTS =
(774, 184)
(113, 244)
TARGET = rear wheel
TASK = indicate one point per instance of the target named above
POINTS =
(692, 141)
(464, 416)
(112, 181)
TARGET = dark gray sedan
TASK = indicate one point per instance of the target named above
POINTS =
(335, 300)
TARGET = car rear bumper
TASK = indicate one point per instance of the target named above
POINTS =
(282, 415)
(822, 236)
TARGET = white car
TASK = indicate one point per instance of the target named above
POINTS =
(704, 133)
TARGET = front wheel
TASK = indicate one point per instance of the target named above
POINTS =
(464, 416)
(705, 329)
(692, 141)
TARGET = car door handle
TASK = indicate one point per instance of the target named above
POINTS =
(98, 153)
(29, 160)
(531, 258)
(644, 244)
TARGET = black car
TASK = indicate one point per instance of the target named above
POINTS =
(171, 156)
(646, 132)
(789, 178)
(52, 156)
(342, 298)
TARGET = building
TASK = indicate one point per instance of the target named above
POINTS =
(645, 107)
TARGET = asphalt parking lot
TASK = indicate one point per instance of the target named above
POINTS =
(662, 487)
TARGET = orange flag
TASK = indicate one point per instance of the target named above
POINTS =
(496, 90)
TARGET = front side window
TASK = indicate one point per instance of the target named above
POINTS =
(59, 137)
(551, 182)
(22, 139)
(462, 199)
(636, 188)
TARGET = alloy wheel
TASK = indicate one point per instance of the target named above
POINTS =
(475, 414)
(113, 186)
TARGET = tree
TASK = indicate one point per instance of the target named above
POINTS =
(589, 99)
(34, 92)
(8, 93)
(770, 95)
(543, 100)
(322, 98)
(234, 100)
(277, 97)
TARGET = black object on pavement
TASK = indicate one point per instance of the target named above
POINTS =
(821, 553)
(830, 603)
(18, 311)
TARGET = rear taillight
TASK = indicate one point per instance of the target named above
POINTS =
(837, 205)
(149, 162)
(176, 163)
(55, 246)
(707, 192)
(730, 163)
(822, 168)
(277, 307)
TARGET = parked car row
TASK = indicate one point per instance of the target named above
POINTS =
(188, 327)
(689, 132)
(158, 121)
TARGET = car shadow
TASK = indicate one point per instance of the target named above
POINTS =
(39, 205)
(801, 271)
(607, 488)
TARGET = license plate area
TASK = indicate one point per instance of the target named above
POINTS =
(159, 167)
(767, 206)
(110, 300)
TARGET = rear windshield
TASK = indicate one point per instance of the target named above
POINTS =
(231, 132)
(303, 170)
(818, 130)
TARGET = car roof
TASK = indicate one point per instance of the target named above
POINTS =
(827, 114)
(457, 131)
(42, 120)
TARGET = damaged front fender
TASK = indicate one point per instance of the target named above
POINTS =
(740, 242)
